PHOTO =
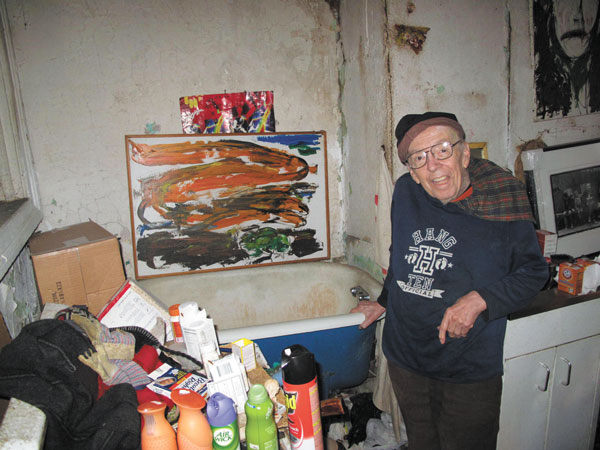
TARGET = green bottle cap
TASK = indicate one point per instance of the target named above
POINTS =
(257, 394)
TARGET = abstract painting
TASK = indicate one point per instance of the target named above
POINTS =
(227, 201)
(237, 112)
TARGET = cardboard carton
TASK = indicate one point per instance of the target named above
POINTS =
(77, 265)
(548, 241)
(570, 278)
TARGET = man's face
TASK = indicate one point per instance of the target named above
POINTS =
(574, 20)
(445, 180)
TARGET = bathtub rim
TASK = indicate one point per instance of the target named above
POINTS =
(264, 331)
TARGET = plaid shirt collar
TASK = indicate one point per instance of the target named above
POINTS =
(495, 194)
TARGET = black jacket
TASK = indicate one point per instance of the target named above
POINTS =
(41, 368)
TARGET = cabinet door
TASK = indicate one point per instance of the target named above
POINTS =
(525, 401)
(573, 399)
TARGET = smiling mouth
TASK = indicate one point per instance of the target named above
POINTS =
(581, 34)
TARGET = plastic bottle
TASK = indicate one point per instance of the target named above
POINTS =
(209, 354)
(197, 328)
(175, 325)
(302, 398)
(193, 430)
(157, 433)
(222, 417)
(261, 431)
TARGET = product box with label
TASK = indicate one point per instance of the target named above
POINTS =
(77, 265)
(548, 241)
(570, 278)
(244, 349)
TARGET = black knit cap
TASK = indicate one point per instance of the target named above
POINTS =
(411, 125)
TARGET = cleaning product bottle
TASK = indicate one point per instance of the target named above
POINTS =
(175, 324)
(157, 433)
(301, 392)
(197, 328)
(261, 431)
(222, 417)
(193, 430)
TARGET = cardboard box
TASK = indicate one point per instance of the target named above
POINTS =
(585, 262)
(77, 265)
(548, 241)
(244, 349)
(570, 278)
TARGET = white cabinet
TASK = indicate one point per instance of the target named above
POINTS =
(551, 389)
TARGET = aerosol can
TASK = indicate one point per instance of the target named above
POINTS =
(302, 398)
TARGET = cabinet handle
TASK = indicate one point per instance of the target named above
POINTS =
(566, 383)
(545, 388)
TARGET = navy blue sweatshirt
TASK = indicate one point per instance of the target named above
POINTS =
(440, 253)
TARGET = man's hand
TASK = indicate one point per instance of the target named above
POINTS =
(460, 317)
(371, 310)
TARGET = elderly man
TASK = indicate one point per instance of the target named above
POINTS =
(464, 255)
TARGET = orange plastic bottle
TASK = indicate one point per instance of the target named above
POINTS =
(193, 429)
(157, 433)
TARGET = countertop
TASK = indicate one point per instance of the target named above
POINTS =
(550, 299)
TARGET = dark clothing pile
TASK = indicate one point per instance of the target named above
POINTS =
(41, 367)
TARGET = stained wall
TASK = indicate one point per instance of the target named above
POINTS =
(92, 72)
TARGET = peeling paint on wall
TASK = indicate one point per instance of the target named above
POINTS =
(413, 37)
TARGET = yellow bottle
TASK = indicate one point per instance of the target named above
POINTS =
(157, 433)
(193, 429)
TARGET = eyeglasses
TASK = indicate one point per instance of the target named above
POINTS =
(441, 151)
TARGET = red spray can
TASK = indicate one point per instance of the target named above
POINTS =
(301, 391)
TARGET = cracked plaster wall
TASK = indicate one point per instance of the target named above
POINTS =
(475, 62)
(92, 72)
(462, 68)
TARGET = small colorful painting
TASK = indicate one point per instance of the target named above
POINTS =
(217, 202)
(238, 112)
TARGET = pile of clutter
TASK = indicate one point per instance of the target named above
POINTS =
(141, 355)
(103, 350)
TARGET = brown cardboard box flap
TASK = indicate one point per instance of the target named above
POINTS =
(67, 237)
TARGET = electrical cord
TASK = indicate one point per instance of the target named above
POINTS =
(150, 339)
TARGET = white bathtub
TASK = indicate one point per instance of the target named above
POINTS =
(277, 306)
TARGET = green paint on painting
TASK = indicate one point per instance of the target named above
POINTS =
(53, 202)
(305, 150)
(265, 240)
(440, 89)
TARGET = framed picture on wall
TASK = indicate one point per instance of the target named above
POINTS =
(227, 201)
(566, 52)
(478, 150)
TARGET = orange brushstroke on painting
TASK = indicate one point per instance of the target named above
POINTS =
(221, 170)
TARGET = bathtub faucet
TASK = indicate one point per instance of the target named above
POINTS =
(360, 293)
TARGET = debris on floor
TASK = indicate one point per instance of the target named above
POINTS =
(362, 427)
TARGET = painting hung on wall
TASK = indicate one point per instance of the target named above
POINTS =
(217, 202)
(238, 112)
(566, 48)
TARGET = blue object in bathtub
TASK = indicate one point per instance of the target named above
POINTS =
(342, 355)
